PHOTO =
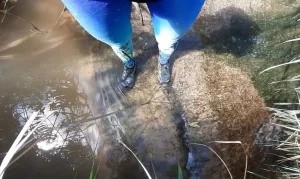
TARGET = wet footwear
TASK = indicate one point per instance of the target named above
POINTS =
(164, 73)
(128, 77)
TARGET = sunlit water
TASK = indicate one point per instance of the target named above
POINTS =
(40, 71)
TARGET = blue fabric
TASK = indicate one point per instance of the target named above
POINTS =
(109, 22)
(129, 63)
(106, 20)
(165, 54)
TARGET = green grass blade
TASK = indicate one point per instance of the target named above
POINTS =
(180, 176)
(92, 172)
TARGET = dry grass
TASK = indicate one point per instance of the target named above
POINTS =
(240, 111)
(288, 119)
(236, 101)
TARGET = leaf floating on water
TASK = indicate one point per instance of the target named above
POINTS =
(194, 124)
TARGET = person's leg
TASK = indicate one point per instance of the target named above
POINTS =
(109, 22)
(171, 19)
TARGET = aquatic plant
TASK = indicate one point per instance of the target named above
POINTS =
(23, 139)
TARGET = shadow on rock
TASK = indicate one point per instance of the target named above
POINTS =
(146, 47)
(147, 51)
(230, 30)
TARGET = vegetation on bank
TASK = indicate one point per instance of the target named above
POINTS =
(262, 45)
(256, 43)
(287, 117)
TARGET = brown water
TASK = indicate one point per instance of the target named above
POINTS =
(42, 69)
(67, 71)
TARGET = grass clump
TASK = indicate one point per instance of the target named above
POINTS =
(287, 165)
(254, 43)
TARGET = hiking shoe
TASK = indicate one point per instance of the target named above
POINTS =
(128, 77)
(164, 73)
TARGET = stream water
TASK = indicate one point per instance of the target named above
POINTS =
(54, 70)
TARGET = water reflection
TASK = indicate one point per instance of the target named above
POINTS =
(57, 73)
(39, 72)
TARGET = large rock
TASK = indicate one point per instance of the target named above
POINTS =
(220, 99)
(208, 100)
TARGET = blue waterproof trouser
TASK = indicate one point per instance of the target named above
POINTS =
(109, 22)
